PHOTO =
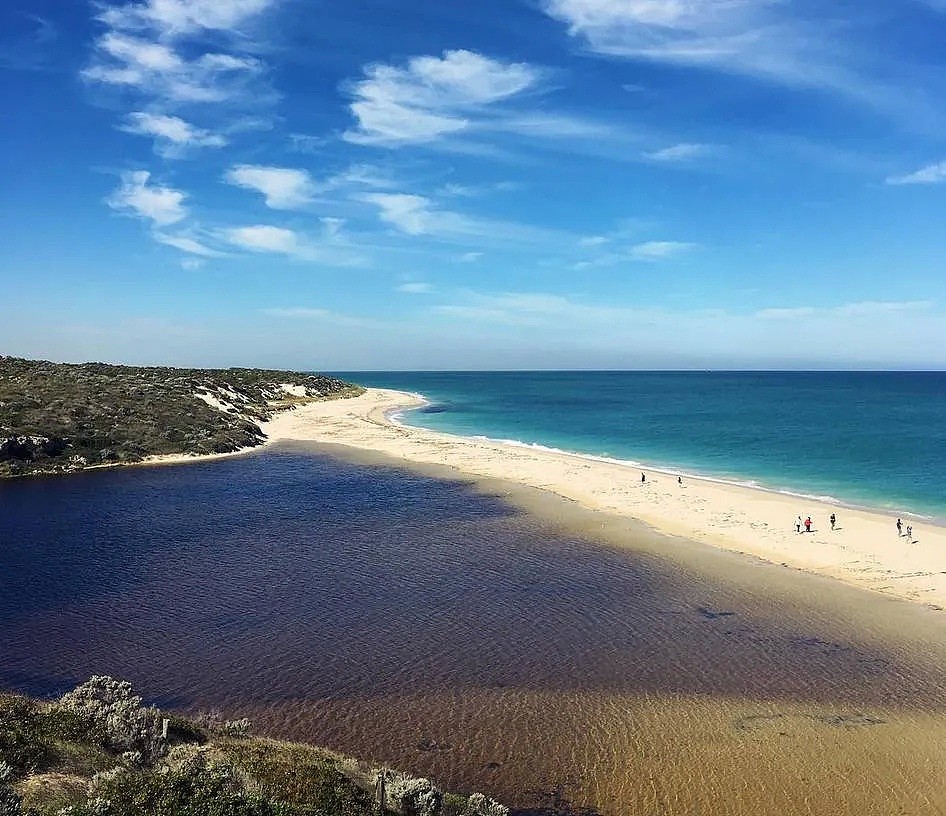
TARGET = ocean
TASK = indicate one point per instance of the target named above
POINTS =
(872, 439)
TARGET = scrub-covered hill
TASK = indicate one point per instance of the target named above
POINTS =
(99, 751)
(57, 418)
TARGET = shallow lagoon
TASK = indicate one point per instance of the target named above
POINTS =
(433, 625)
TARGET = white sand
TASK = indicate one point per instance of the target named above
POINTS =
(865, 549)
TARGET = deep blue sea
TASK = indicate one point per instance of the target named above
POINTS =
(876, 439)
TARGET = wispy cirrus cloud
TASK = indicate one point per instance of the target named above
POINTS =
(265, 238)
(660, 250)
(188, 244)
(411, 214)
(795, 45)
(417, 215)
(415, 288)
(679, 153)
(329, 248)
(857, 309)
(283, 188)
(431, 97)
(136, 196)
(157, 71)
(168, 55)
(172, 135)
(931, 174)
(176, 18)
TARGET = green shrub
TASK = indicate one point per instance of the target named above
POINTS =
(300, 777)
(109, 709)
(196, 788)
(182, 731)
(9, 801)
(24, 745)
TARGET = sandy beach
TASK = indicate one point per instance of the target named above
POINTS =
(864, 550)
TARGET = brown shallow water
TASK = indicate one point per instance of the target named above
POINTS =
(546, 657)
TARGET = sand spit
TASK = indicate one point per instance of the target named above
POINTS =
(864, 550)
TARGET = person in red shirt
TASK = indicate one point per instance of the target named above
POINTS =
(808, 524)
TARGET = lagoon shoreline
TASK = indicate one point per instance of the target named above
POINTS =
(864, 551)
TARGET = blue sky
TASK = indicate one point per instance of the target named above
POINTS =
(498, 184)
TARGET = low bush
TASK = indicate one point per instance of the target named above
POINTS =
(24, 742)
(116, 717)
(300, 777)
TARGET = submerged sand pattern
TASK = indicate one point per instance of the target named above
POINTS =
(557, 659)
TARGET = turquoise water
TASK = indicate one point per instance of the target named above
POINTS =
(875, 439)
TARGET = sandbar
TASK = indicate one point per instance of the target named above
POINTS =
(863, 550)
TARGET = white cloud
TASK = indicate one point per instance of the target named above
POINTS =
(284, 188)
(416, 288)
(659, 250)
(162, 205)
(431, 97)
(409, 213)
(765, 39)
(554, 126)
(683, 152)
(186, 244)
(174, 18)
(417, 215)
(192, 264)
(362, 175)
(265, 238)
(931, 174)
(329, 248)
(157, 49)
(865, 308)
(470, 257)
(594, 240)
(157, 70)
(171, 133)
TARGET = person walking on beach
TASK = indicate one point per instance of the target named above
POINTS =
(808, 524)
(909, 534)
(798, 525)
(899, 528)
(833, 519)
(643, 478)
(680, 481)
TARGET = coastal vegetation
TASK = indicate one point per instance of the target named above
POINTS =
(58, 418)
(100, 751)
